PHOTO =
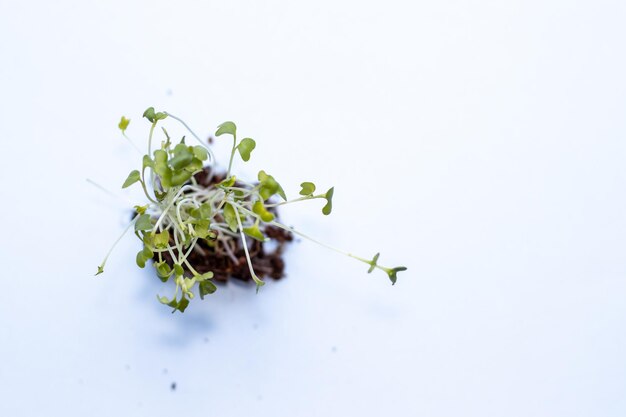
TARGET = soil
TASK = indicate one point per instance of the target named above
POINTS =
(231, 262)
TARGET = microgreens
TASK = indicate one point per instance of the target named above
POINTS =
(180, 212)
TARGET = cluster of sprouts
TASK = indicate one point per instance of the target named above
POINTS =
(179, 212)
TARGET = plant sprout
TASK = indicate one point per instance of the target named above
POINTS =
(179, 212)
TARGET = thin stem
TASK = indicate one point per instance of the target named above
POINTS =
(184, 259)
(145, 190)
(104, 261)
(178, 247)
(169, 247)
(256, 279)
(308, 197)
(143, 184)
(132, 143)
(182, 203)
(223, 228)
(169, 206)
(291, 229)
(191, 268)
(229, 250)
(246, 191)
(232, 155)
(101, 188)
(150, 137)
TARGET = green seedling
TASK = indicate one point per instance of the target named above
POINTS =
(179, 212)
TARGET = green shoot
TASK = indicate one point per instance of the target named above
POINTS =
(179, 213)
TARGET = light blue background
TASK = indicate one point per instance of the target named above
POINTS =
(481, 144)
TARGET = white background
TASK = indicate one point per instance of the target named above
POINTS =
(481, 144)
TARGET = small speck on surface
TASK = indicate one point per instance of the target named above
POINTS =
(173, 386)
(164, 370)
(333, 349)
(206, 340)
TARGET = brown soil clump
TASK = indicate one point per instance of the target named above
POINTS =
(231, 262)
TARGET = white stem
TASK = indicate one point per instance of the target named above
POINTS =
(256, 279)
(169, 206)
(183, 202)
(104, 261)
(229, 250)
(133, 144)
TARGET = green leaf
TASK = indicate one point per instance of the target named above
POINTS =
(182, 304)
(176, 305)
(147, 238)
(123, 124)
(228, 182)
(182, 158)
(281, 193)
(173, 303)
(166, 178)
(161, 168)
(245, 147)
(178, 270)
(133, 177)
(159, 195)
(149, 114)
(188, 284)
(100, 270)
(147, 162)
(179, 178)
(226, 127)
(206, 287)
(147, 252)
(202, 212)
(152, 116)
(200, 152)
(160, 161)
(195, 165)
(143, 222)
(165, 300)
(141, 209)
(308, 188)
(373, 263)
(259, 208)
(230, 217)
(181, 147)
(161, 240)
(163, 271)
(201, 228)
(329, 201)
(204, 277)
(140, 259)
(392, 273)
(269, 186)
(254, 232)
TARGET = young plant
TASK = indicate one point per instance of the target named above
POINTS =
(179, 212)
